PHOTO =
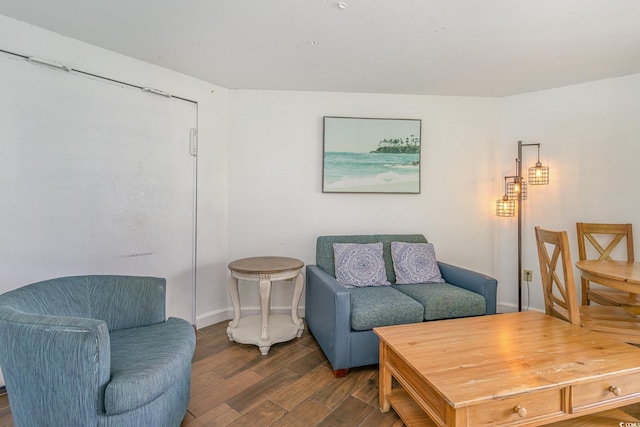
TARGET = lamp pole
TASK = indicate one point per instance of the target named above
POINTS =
(543, 179)
(519, 174)
(517, 191)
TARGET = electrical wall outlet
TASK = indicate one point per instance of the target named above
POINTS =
(528, 275)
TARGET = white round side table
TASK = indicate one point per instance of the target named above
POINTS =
(265, 329)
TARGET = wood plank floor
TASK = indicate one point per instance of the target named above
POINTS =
(234, 385)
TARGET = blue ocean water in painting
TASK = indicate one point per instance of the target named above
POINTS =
(344, 170)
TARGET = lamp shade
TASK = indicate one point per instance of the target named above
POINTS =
(539, 175)
(518, 187)
(505, 207)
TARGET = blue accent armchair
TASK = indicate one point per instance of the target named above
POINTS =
(94, 351)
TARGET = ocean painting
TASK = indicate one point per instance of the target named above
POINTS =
(364, 155)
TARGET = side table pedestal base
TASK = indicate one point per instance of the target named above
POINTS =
(281, 329)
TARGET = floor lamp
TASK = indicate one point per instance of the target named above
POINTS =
(515, 191)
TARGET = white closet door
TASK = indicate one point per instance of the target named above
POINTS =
(95, 178)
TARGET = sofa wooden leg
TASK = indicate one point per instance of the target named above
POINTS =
(340, 373)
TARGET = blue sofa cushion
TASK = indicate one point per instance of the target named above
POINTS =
(382, 306)
(324, 249)
(445, 301)
(145, 362)
(386, 240)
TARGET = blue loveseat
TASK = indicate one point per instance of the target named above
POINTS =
(341, 319)
(94, 351)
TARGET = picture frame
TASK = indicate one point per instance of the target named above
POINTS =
(371, 155)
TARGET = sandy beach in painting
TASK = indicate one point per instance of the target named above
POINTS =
(371, 173)
(390, 187)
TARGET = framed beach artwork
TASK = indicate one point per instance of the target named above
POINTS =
(363, 155)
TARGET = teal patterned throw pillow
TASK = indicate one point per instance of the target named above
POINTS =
(359, 265)
(415, 263)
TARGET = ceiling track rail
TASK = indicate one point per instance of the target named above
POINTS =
(53, 64)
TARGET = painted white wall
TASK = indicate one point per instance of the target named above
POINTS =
(212, 299)
(276, 204)
(590, 136)
(261, 157)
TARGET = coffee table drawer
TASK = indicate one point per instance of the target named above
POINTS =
(605, 391)
(514, 409)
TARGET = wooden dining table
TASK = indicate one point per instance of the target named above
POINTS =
(622, 275)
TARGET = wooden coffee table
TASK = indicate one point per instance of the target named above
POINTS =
(522, 368)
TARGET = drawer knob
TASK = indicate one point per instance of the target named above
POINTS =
(616, 390)
(521, 411)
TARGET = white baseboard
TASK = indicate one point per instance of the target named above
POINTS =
(212, 318)
(218, 316)
(511, 308)
(506, 307)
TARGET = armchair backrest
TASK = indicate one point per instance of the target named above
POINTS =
(127, 301)
(121, 301)
(55, 348)
(66, 297)
(48, 349)
(324, 249)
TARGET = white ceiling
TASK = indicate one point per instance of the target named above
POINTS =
(436, 47)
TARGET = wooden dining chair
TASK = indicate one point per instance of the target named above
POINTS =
(597, 235)
(561, 295)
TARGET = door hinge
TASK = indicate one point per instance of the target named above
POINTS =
(156, 91)
(48, 63)
(193, 142)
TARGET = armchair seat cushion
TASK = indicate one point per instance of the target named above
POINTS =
(376, 306)
(445, 301)
(147, 361)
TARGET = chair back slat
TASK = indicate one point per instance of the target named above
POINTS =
(604, 238)
(556, 271)
(614, 233)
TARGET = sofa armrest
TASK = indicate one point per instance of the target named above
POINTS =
(473, 281)
(328, 315)
(46, 359)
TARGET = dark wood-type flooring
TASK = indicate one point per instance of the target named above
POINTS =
(234, 385)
